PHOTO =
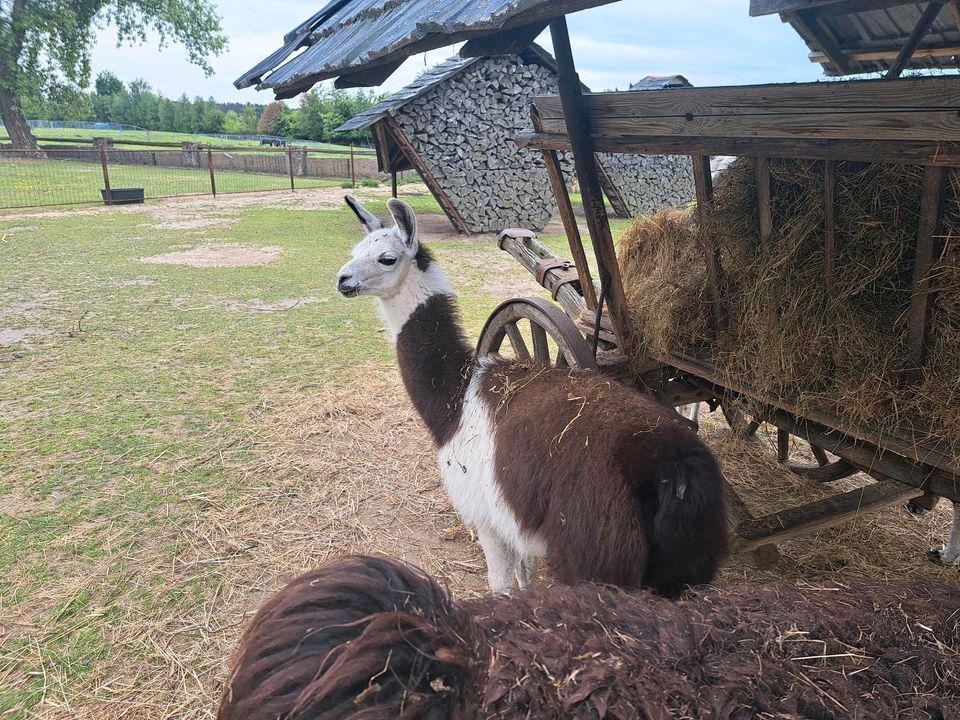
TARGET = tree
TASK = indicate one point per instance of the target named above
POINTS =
(44, 40)
(270, 118)
(108, 84)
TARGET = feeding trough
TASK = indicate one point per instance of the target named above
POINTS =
(121, 196)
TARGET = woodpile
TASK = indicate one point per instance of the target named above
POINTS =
(464, 130)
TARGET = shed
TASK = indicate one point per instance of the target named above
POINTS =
(850, 37)
(661, 82)
(455, 126)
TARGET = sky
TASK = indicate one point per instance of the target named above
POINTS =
(711, 42)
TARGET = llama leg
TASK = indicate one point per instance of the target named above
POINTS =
(527, 571)
(949, 554)
(502, 560)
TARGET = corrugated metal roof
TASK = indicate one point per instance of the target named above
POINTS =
(432, 77)
(661, 82)
(347, 36)
(884, 31)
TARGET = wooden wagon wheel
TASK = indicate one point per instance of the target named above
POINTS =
(826, 470)
(533, 323)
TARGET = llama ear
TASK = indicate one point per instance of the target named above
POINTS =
(370, 221)
(405, 219)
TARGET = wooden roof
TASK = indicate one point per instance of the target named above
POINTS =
(849, 37)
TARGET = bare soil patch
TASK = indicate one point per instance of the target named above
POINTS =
(12, 336)
(220, 255)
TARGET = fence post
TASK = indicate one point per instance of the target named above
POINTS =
(102, 147)
(290, 164)
(393, 183)
(353, 168)
(213, 181)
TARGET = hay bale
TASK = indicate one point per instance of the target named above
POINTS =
(841, 351)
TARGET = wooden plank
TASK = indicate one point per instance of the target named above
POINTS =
(783, 446)
(927, 18)
(808, 24)
(617, 201)
(940, 154)
(793, 522)
(508, 42)
(703, 182)
(555, 174)
(764, 207)
(929, 248)
(396, 132)
(880, 55)
(953, 7)
(863, 96)
(771, 7)
(922, 453)
(830, 225)
(586, 165)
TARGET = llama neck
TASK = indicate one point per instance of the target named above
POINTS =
(434, 357)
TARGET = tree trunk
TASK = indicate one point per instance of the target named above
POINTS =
(15, 122)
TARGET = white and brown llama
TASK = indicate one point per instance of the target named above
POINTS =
(605, 483)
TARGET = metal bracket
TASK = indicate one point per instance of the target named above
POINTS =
(564, 272)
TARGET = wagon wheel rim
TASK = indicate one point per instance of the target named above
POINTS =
(543, 322)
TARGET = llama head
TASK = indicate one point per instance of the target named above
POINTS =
(381, 262)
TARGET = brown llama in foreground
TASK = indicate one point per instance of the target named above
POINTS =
(372, 638)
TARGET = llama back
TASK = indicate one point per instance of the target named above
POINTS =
(623, 491)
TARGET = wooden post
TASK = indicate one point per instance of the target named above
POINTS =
(393, 183)
(581, 142)
(704, 187)
(290, 166)
(762, 169)
(830, 229)
(353, 169)
(916, 37)
(565, 208)
(213, 181)
(929, 248)
(106, 172)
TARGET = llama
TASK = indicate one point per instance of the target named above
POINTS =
(369, 637)
(604, 482)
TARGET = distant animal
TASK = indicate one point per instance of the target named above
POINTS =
(368, 637)
(576, 467)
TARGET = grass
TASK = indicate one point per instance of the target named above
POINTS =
(29, 183)
(145, 407)
(141, 136)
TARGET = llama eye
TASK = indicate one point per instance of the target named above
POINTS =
(386, 260)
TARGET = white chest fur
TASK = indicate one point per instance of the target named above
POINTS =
(467, 466)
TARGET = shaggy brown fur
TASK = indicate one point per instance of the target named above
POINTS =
(371, 638)
(621, 490)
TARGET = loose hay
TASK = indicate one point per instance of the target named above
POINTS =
(840, 350)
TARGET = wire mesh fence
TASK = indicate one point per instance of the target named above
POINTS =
(80, 176)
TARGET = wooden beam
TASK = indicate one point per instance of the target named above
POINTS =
(916, 36)
(508, 42)
(829, 222)
(929, 248)
(555, 174)
(809, 25)
(764, 205)
(954, 9)
(396, 132)
(831, 7)
(783, 446)
(581, 140)
(941, 154)
(880, 55)
(368, 77)
(703, 182)
(821, 514)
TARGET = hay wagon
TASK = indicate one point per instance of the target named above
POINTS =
(833, 133)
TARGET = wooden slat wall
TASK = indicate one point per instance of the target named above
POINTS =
(920, 109)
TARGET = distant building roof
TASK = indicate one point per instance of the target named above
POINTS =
(660, 82)
(431, 78)
(366, 40)
(847, 40)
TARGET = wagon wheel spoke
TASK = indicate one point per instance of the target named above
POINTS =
(561, 360)
(517, 342)
(820, 455)
(783, 445)
(541, 350)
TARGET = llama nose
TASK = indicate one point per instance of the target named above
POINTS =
(344, 285)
